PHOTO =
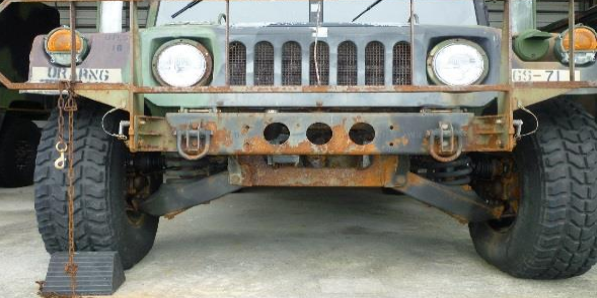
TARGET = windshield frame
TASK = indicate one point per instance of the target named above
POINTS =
(482, 14)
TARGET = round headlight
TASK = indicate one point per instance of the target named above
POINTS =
(182, 63)
(457, 62)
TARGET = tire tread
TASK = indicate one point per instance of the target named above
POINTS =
(567, 243)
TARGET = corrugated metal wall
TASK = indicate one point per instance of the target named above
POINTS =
(548, 12)
(87, 14)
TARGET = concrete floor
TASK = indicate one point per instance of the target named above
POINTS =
(292, 243)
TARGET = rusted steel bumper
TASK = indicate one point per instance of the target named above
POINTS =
(243, 133)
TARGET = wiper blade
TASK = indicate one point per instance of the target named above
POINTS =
(367, 9)
(187, 7)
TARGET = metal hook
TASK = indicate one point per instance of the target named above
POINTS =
(60, 162)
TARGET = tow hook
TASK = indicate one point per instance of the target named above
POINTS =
(451, 142)
(193, 144)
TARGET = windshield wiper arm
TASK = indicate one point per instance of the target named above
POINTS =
(367, 9)
(187, 7)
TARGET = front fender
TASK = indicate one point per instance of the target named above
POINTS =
(107, 62)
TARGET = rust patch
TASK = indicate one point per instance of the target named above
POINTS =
(256, 172)
(403, 141)
(339, 144)
(245, 129)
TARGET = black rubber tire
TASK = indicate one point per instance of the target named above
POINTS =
(18, 145)
(554, 235)
(101, 222)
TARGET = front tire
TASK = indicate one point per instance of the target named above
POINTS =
(102, 220)
(554, 234)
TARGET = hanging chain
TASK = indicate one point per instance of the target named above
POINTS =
(68, 105)
(61, 146)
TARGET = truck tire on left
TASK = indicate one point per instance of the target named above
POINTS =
(102, 214)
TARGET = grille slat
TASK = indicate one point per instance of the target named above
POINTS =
(237, 55)
(264, 64)
(323, 64)
(292, 64)
(401, 73)
(347, 64)
(375, 63)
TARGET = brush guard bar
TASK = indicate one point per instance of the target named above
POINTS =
(511, 94)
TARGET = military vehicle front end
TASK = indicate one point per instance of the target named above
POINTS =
(419, 97)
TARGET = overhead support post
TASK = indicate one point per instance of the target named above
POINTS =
(412, 41)
(110, 16)
(227, 47)
(316, 11)
(73, 41)
(571, 23)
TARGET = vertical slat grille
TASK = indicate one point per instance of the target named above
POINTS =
(347, 64)
(323, 64)
(291, 64)
(264, 64)
(374, 63)
(237, 61)
(401, 74)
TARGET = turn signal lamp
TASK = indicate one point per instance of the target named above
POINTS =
(584, 39)
(585, 45)
(58, 45)
(60, 41)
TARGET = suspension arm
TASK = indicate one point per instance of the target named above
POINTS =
(463, 204)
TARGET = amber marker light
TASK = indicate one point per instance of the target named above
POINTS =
(58, 45)
(584, 40)
(60, 41)
(585, 46)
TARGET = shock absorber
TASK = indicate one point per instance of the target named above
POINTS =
(454, 173)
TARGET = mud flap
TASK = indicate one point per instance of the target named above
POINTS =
(98, 273)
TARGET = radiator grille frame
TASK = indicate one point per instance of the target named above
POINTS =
(375, 53)
(354, 63)
(401, 64)
(237, 56)
(323, 64)
(347, 65)
(292, 64)
(263, 64)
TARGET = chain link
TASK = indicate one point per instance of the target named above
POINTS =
(68, 105)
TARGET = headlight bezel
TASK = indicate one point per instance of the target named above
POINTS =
(188, 42)
(431, 69)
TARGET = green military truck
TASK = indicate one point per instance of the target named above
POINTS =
(19, 135)
(420, 97)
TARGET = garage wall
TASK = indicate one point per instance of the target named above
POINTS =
(87, 14)
(548, 12)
